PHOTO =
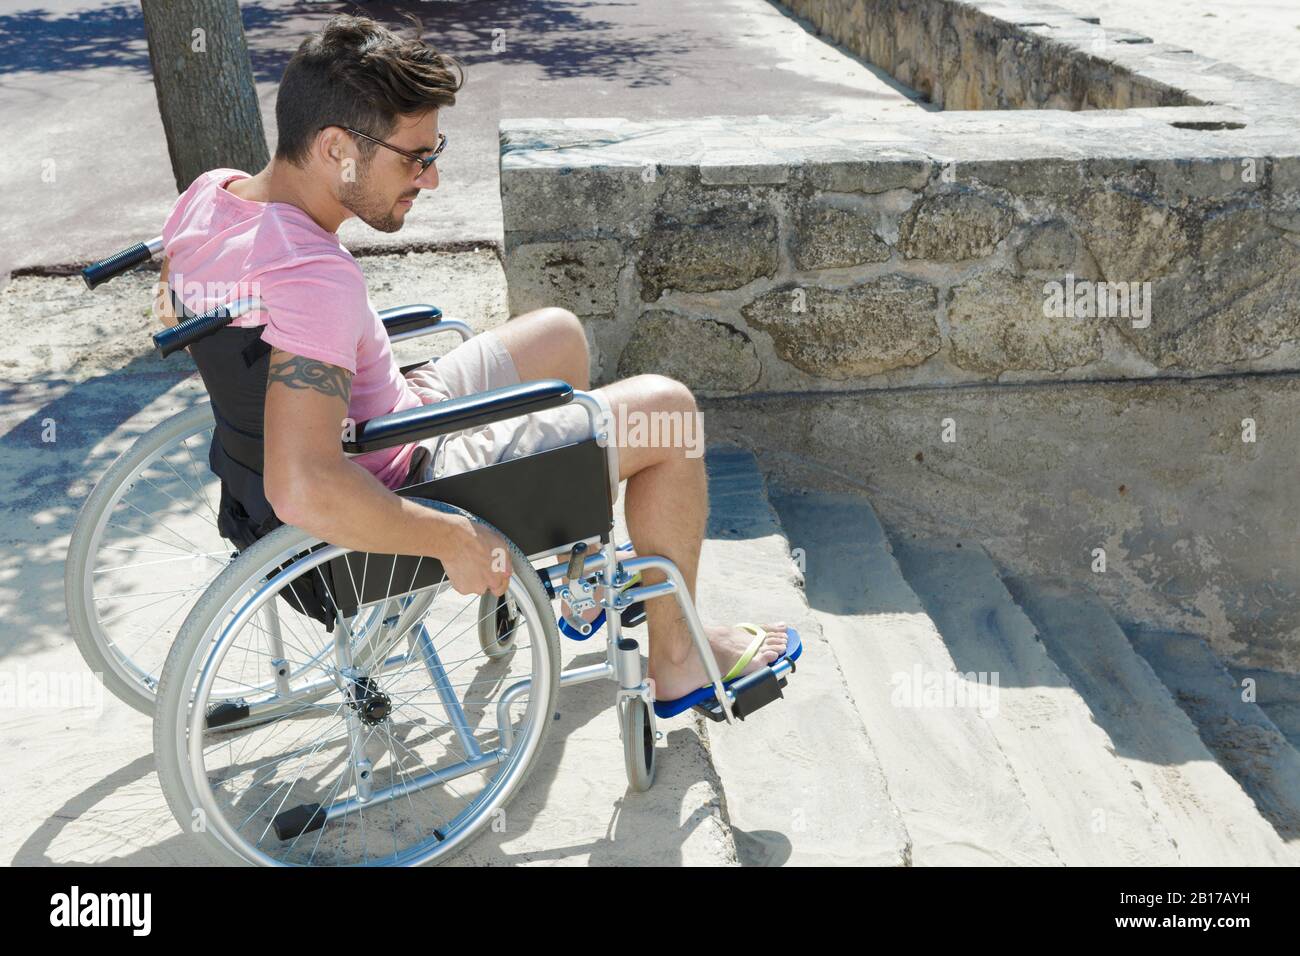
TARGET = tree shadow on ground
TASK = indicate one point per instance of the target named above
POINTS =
(563, 39)
(48, 41)
(52, 457)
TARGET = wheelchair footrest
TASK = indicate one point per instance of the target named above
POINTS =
(748, 694)
(298, 820)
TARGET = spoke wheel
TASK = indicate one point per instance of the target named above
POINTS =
(393, 747)
(143, 549)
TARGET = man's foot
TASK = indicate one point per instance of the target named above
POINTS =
(675, 680)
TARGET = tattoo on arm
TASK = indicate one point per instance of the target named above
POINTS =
(298, 372)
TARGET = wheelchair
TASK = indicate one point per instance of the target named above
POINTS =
(315, 705)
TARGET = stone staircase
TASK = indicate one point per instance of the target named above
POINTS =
(947, 715)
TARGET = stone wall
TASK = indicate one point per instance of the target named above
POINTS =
(914, 263)
(963, 57)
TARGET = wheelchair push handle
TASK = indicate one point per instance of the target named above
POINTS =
(197, 327)
(97, 273)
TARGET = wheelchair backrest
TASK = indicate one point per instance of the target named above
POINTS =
(233, 364)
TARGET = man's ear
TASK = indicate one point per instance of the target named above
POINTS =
(336, 151)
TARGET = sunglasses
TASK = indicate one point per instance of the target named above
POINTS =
(424, 162)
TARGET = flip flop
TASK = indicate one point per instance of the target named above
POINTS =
(738, 668)
(705, 696)
(571, 632)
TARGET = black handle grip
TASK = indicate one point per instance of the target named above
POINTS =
(100, 272)
(404, 318)
(190, 331)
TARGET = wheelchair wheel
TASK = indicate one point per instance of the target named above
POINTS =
(144, 547)
(497, 625)
(394, 747)
(638, 744)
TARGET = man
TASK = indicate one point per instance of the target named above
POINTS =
(358, 112)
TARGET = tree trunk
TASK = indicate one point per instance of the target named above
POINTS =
(204, 82)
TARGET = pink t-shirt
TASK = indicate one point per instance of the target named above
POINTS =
(222, 248)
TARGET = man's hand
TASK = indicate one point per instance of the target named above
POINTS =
(477, 559)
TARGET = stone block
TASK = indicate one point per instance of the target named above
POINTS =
(579, 201)
(1048, 246)
(862, 330)
(580, 275)
(997, 323)
(705, 249)
(951, 227)
(1132, 238)
(703, 353)
(868, 176)
(1237, 301)
(830, 235)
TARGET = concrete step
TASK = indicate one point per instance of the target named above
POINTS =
(1278, 694)
(801, 780)
(1247, 743)
(959, 798)
(1205, 811)
(1090, 804)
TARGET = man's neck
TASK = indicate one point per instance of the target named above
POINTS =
(283, 182)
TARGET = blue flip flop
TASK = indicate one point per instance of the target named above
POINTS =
(706, 699)
(571, 632)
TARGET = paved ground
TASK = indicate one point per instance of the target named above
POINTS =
(1262, 36)
(76, 91)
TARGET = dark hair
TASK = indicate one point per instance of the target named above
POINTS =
(356, 72)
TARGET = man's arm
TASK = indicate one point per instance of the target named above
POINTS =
(162, 300)
(311, 484)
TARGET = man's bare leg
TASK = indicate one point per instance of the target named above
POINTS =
(667, 513)
(666, 501)
(548, 343)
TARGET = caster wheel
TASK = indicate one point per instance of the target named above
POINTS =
(498, 625)
(638, 744)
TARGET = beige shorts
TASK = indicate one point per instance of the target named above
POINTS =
(476, 365)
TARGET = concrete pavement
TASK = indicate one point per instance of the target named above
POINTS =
(84, 170)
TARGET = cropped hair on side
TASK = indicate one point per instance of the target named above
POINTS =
(356, 72)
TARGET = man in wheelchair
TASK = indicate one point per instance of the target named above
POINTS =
(358, 113)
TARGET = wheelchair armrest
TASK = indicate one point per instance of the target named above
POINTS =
(455, 414)
(407, 318)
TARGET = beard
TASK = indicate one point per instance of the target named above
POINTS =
(372, 210)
